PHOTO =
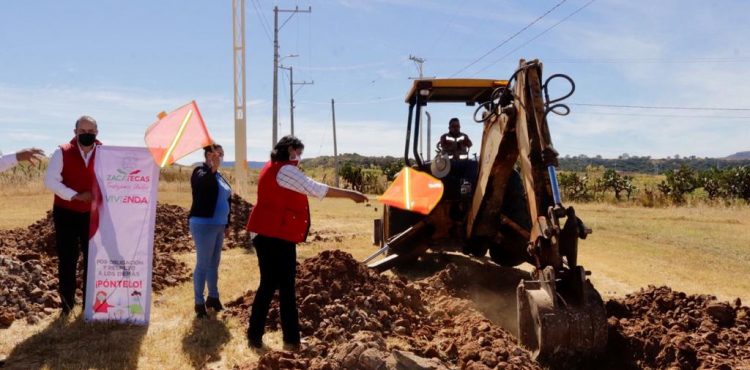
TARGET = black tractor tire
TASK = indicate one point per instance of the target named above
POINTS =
(511, 251)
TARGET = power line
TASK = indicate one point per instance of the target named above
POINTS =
(646, 60)
(595, 60)
(660, 115)
(509, 38)
(376, 100)
(446, 28)
(658, 107)
(535, 37)
(276, 60)
(351, 67)
(262, 19)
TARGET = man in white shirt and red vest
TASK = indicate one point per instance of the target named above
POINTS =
(71, 177)
(281, 218)
(32, 155)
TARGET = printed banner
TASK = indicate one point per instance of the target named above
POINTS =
(121, 236)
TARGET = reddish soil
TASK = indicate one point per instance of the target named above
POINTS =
(660, 328)
(354, 318)
(346, 311)
(28, 260)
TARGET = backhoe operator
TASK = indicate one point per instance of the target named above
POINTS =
(455, 143)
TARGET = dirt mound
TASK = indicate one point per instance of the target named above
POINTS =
(345, 307)
(28, 258)
(30, 264)
(337, 297)
(29, 289)
(458, 330)
(172, 232)
(661, 328)
(238, 238)
(28, 270)
(366, 351)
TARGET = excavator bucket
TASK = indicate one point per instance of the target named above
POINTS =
(561, 333)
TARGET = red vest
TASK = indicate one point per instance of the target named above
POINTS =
(279, 213)
(76, 176)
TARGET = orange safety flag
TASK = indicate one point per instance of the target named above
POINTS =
(177, 134)
(414, 191)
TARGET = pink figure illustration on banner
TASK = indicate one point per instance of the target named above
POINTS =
(101, 306)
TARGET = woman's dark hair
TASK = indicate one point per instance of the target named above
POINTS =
(280, 151)
(210, 149)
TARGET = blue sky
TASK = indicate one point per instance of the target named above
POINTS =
(124, 61)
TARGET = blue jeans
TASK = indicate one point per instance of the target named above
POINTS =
(208, 242)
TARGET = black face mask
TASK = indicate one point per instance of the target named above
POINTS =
(86, 139)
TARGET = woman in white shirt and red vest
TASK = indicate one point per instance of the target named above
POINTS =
(281, 219)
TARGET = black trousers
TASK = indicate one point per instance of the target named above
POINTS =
(72, 239)
(277, 260)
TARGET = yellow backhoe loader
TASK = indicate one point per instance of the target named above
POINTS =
(505, 202)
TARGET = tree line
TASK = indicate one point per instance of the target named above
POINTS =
(727, 184)
(646, 164)
(585, 178)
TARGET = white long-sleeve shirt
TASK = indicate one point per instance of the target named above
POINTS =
(7, 161)
(53, 178)
(290, 177)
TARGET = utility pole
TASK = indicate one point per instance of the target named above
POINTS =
(276, 29)
(335, 148)
(419, 62)
(240, 116)
(291, 93)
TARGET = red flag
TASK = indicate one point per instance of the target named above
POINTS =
(414, 191)
(177, 134)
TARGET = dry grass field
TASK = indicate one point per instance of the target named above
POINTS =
(696, 250)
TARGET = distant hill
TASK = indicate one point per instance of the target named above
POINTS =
(739, 156)
(353, 158)
(251, 164)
